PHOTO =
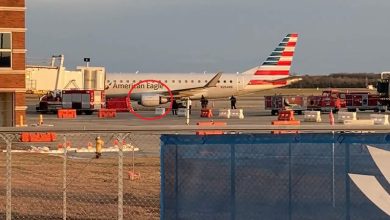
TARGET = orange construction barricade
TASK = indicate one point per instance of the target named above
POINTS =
(206, 113)
(286, 117)
(66, 113)
(107, 113)
(38, 137)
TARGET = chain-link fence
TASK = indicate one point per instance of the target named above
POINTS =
(63, 179)
(263, 176)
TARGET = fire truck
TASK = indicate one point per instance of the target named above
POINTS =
(277, 103)
(382, 88)
(330, 100)
(363, 102)
(84, 101)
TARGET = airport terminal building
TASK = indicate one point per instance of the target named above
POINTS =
(12, 62)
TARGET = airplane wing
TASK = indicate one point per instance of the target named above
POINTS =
(195, 90)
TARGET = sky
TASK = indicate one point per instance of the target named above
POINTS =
(210, 35)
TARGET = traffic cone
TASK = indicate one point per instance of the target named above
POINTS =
(331, 118)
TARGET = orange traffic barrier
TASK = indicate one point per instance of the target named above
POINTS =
(208, 124)
(38, 137)
(206, 113)
(286, 117)
(107, 113)
(66, 113)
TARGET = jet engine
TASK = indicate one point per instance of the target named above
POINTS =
(152, 100)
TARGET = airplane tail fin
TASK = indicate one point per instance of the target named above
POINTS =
(278, 63)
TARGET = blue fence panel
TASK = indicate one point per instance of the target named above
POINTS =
(265, 176)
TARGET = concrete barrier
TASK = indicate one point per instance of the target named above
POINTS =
(342, 116)
(313, 116)
(159, 111)
(182, 112)
(224, 113)
(237, 113)
(359, 122)
(380, 119)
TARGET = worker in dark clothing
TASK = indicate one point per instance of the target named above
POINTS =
(203, 102)
(233, 102)
(175, 106)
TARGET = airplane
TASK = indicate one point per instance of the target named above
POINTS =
(274, 72)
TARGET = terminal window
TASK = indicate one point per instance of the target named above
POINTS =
(5, 50)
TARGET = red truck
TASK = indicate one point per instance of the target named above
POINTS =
(276, 103)
(364, 101)
(330, 100)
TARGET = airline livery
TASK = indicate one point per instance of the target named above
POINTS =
(274, 72)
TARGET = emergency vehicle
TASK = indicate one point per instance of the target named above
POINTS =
(363, 102)
(84, 101)
(330, 100)
(382, 88)
(277, 103)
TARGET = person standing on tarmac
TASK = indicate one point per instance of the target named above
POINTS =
(175, 106)
(233, 101)
(203, 102)
(99, 146)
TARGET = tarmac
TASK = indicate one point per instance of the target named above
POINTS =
(253, 107)
(127, 120)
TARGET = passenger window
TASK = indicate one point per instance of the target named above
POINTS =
(198, 81)
(185, 81)
(205, 81)
(114, 81)
(218, 81)
(166, 81)
(127, 81)
(224, 81)
(173, 81)
(108, 81)
(231, 81)
(133, 81)
(192, 81)
(179, 81)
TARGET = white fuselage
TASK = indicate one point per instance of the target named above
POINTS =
(119, 84)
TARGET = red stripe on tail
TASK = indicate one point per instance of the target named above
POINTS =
(284, 63)
(291, 44)
(287, 54)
